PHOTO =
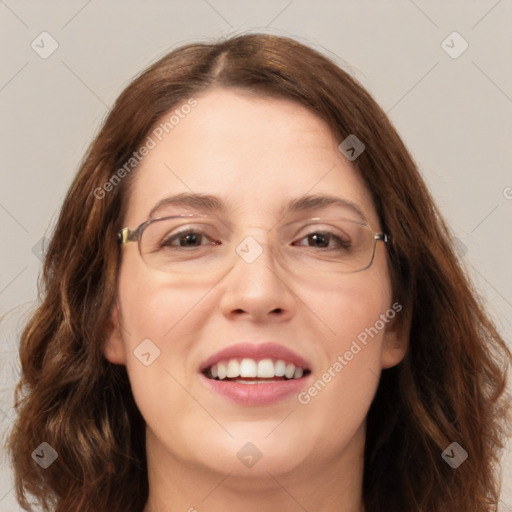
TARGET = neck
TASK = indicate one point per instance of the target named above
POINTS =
(334, 485)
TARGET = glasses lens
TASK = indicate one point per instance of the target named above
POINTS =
(329, 245)
(180, 244)
(203, 245)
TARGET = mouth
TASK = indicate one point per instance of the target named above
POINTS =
(253, 371)
(255, 374)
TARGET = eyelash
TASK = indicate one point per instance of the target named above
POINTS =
(189, 231)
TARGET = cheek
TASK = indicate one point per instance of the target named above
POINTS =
(354, 313)
(151, 306)
(159, 323)
(348, 305)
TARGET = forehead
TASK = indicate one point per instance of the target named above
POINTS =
(256, 154)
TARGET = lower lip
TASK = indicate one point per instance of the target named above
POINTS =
(261, 393)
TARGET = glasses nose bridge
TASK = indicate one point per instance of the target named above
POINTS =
(257, 241)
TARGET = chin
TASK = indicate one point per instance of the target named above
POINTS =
(255, 455)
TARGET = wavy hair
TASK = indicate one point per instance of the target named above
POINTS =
(449, 388)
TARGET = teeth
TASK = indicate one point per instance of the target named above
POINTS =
(221, 369)
(248, 368)
(290, 371)
(263, 369)
(233, 368)
(280, 368)
(298, 373)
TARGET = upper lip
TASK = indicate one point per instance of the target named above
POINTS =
(267, 350)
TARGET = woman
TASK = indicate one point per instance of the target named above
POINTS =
(251, 301)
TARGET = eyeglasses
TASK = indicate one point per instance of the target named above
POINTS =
(199, 244)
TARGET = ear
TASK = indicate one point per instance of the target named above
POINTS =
(396, 339)
(114, 349)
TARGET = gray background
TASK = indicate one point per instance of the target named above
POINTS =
(454, 114)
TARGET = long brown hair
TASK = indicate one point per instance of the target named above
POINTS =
(449, 388)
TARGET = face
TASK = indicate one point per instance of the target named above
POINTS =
(285, 303)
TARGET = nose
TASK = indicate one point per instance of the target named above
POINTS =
(256, 287)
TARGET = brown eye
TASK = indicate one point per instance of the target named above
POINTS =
(326, 240)
(187, 238)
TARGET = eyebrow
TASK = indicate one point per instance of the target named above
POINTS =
(206, 202)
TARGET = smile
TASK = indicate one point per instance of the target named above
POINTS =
(255, 374)
(251, 371)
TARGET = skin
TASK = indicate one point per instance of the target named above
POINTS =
(254, 153)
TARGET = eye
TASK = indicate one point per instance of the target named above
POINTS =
(325, 240)
(187, 237)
